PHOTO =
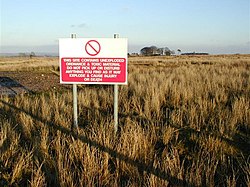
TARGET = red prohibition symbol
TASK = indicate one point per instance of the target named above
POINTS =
(92, 47)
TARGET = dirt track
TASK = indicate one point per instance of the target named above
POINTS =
(13, 83)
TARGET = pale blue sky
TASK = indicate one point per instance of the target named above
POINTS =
(214, 26)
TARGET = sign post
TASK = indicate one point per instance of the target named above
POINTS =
(75, 124)
(93, 61)
(116, 101)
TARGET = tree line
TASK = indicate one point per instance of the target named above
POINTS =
(155, 51)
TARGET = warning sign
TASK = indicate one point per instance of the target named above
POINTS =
(93, 61)
(92, 47)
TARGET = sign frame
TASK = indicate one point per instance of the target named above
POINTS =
(103, 60)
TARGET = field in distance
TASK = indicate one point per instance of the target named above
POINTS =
(183, 121)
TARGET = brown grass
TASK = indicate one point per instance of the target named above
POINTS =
(27, 64)
(183, 121)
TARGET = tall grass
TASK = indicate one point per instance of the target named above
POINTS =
(27, 64)
(183, 121)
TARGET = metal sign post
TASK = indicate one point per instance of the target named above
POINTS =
(75, 124)
(116, 101)
(115, 107)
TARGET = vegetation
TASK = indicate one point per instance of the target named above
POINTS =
(155, 51)
(27, 64)
(184, 121)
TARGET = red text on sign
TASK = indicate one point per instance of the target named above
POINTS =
(90, 70)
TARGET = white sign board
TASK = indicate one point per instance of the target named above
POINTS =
(93, 60)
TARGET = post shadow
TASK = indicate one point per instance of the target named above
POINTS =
(26, 143)
(238, 141)
(11, 87)
(140, 165)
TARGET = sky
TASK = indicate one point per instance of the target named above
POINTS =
(213, 26)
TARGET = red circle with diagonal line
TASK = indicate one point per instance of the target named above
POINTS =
(92, 47)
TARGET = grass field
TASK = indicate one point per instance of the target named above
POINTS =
(183, 121)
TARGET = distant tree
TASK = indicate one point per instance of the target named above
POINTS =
(153, 50)
(32, 54)
(160, 51)
(165, 51)
(145, 51)
(179, 51)
(150, 51)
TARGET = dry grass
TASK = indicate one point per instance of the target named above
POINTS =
(26, 63)
(184, 121)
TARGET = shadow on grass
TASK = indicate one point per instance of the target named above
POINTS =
(141, 166)
(240, 140)
(11, 87)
